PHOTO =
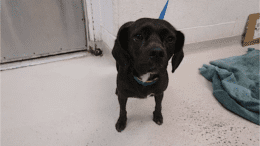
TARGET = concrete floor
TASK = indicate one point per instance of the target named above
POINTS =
(73, 103)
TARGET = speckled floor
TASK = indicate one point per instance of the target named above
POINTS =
(72, 103)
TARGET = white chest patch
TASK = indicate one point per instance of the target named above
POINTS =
(151, 95)
(145, 77)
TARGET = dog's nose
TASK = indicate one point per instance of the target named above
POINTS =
(156, 52)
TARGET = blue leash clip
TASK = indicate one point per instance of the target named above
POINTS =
(163, 11)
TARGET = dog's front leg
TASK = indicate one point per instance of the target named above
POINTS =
(121, 122)
(157, 114)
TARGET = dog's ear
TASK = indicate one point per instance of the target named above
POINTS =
(178, 51)
(120, 50)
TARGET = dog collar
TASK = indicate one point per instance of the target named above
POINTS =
(149, 82)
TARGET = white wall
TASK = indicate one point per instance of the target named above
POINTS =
(200, 20)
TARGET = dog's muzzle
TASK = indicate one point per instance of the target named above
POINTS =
(157, 57)
(156, 52)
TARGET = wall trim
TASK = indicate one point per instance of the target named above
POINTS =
(188, 49)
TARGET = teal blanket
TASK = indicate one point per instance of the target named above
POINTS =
(235, 82)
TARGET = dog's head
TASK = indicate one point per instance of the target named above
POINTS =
(147, 45)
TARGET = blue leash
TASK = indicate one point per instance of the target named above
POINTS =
(163, 11)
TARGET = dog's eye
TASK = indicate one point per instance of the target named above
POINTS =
(170, 39)
(138, 37)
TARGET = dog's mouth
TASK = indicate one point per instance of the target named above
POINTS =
(154, 70)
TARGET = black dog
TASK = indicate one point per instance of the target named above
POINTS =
(142, 50)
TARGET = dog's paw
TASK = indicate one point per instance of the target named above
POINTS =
(121, 124)
(158, 118)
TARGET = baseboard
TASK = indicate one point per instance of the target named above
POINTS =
(197, 47)
(53, 58)
(211, 44)
(107, 48)
(38, 61)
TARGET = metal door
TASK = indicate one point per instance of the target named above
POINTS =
(33, 28)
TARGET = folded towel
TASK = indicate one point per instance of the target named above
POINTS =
(235, 82)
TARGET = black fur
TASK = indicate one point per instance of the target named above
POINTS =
(145, 45)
